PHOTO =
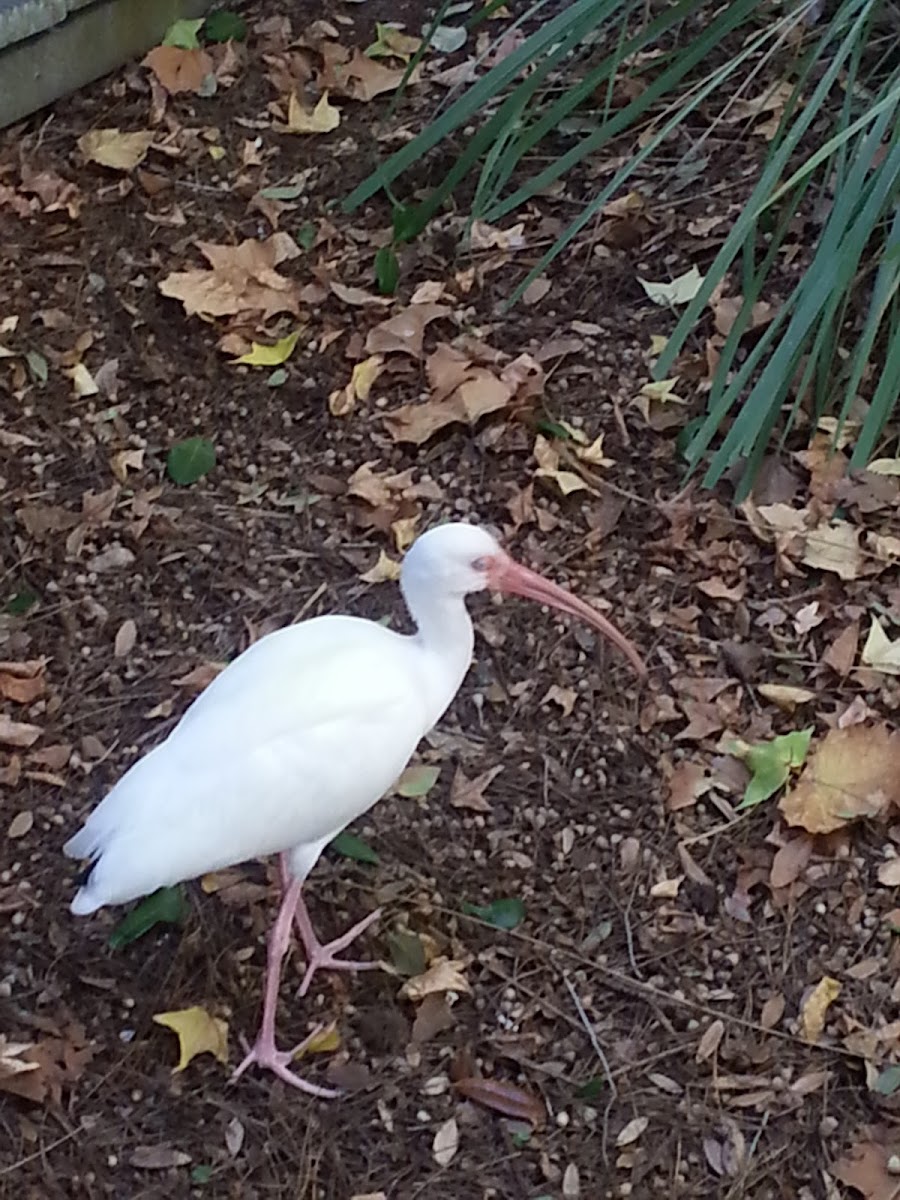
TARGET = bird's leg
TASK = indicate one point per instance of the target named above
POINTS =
(264, 1051)
(317, 955)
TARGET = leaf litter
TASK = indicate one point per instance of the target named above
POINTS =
(688, 574)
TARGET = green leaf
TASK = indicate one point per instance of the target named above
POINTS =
(502, 914)
(202, 1173)
(37, 365)
(888, 1081)
(190, 460)
(409, 221)
(592, 1089)
(225, 26)
(277, 378)
(771, 763)
(21, 602)
(387, 270)
(183, 34)
(287, 191)
(416, 782)
(306, 235)
(353, 847)
(407, 952)
(520, 1138)
(167, 906)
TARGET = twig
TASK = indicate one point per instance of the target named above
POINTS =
(598, 1050)
(8, 1170)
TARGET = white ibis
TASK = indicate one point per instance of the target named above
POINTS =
(295, 739)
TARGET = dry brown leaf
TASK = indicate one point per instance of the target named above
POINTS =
(126, 637)
(687, 782)
(23, 682)
(158, 1158)
(867, 1167)
(889, 873)
(717, 589)
(880, 652)
(815, 1007)
(481, 393)
(433, 1016)
(358, 76)
(841, 654)
(322, 119)
(547, 458)
(444, 975)
(18, 734)
(115, 148)
(790, 860)
(785, 696)
(200, 677)
(564, 697)
(834, 546)
(502, 1097)
(242, 278)
(404, 333)
(469, 793)
(21, 824)
(180, 70)
(632, 1131)
(710, 1041)
(446, 1143)
(853, 773)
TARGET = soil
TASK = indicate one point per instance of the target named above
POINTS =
(652, 997)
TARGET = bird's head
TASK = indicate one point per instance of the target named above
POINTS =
(458, 559)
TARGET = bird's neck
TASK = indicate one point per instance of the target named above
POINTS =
(446, 639)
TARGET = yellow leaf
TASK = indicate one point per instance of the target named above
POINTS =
(880, 652)
(853, 773)
(82, 380)
(364, 375)
(885, 466)
(113, 148)
(593, 454)
(444, 975)
(325, 1041)
(812, 1013)
(197, 1033)
(384, 571)
(658, 343)
(323, 118)
(676, 291)
(662, 391)
(271, 356)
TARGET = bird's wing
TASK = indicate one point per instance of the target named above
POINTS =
(296, 738)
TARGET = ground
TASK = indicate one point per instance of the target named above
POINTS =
(658, 1017)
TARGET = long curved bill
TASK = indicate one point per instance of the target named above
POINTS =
(511, 577)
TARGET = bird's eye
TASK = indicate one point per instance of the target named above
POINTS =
(480, 564)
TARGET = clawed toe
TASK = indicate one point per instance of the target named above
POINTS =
(270, 1058)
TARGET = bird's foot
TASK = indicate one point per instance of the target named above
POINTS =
(265, 1054)
(319, 956)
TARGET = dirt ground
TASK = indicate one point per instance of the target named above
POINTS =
(654, 1001)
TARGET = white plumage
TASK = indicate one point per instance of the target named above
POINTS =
(298, 737)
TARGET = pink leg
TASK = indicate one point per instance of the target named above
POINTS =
(317, 955)
(264, 1051)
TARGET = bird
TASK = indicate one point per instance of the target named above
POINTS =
(297, 737)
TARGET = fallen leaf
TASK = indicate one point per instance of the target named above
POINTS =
(405, 332)
(158, 1158)
(867, 1167)
(324, 1041)
(687, 782)
(889, 873)
(433, 1016)
(469, 793)
(841, 654)
(446, 1143)
(273, 355)
(23, 682)
(879, 652)
(790, 860)
(564, 697)
(479, 393)
(21, 824)
(18, 734)
(322, 119)
(853, 773)
(181, 70)
(677, 291)
(444, 975)
(785, 696)
(234, 1137)
(126, 637)
(834, 546)
(710, 1041)
(815, 1007)
(770, 764)
(502, 1097)
(632, 1131)
(547, 458)
(197, 1033)
(417, 781)
(242, 278)
(115, 148)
